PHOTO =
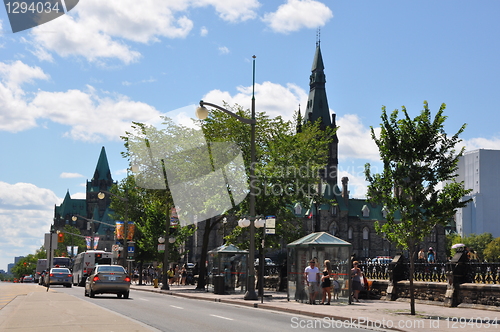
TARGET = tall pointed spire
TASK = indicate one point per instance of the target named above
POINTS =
(317, 103)
(102, 171)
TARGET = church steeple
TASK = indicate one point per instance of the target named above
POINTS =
(317, 108)
(102, 171)
(317, 103)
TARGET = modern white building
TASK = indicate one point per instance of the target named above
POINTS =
(480, 171)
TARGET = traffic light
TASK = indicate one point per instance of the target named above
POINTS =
(60, 237)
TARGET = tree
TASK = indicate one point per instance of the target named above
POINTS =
(492, 251)
(476, 242)
(418, 157)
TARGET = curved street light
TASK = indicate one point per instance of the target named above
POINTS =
(202, 113)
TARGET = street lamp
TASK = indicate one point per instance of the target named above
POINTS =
(102, 195)
(202, 113)
(91, 221)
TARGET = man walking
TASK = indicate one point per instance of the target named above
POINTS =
(312, 276)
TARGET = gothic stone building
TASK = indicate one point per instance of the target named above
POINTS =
(91, 207)
(349, 219)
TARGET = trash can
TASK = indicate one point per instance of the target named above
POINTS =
(219, 284)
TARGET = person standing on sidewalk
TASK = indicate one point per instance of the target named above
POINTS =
(312, 276)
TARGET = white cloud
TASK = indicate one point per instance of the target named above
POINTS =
(98, 30)
(65, 175)
(91, 116)
(270, 98)
(482, 143)
(355, 139)
(223, 50)
(230, 10)
(26, 213)
(298, 14)
(16, 113)
(203, 31)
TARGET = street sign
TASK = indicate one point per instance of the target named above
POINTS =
(161, 247)
(271, 223)
(270, 231)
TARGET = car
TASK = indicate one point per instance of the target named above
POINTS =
(381, 260)
(59, 276)
(267, 260)
(108, 279)
(27, 279)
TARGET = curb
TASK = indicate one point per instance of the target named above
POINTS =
(367, 324)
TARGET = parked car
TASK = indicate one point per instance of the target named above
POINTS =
(267, 260)
(59, 276)
(381, 260)
(108, 279)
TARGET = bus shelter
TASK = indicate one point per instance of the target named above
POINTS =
(227, 269)
(320, 247)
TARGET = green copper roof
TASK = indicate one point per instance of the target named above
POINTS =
(319, 239)
(228, 249)
(71, 207)
(102, 171)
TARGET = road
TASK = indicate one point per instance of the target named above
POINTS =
(171, 313)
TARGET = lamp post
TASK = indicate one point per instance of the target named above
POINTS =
(101, 195)
(202, 113)
(91, 221)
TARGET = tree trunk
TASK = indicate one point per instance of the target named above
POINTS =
(209, 225)
(410, 277)
(203, 257)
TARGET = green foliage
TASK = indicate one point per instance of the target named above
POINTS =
(492, 251)
(476, 242)
(418, 158)
(286, 168)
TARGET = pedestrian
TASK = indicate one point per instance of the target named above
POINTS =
(177, 275)
(183, 275)
(431, 256)
(421, 256)
(326, 285)
(312, 276)
(356, 276)
(336, 287)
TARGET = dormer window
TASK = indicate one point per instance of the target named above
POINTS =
(385, 211)
(366, 211)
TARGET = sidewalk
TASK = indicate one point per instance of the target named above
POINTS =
(376, 314)
(29, 307)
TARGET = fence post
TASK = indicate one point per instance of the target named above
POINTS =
(456, 273)
(396, 273)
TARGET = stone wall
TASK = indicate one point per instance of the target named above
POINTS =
(466, 294)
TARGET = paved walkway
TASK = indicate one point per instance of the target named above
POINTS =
(29, 307)
(376, 314)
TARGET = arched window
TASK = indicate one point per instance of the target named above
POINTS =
(334, 228)
(349, 233)
(366, 233)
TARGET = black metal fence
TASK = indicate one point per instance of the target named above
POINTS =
(479, 273)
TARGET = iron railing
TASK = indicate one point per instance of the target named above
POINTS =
(479, 273)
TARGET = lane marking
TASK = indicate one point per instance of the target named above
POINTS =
(222, 317)
(144, 299)
(173, 306)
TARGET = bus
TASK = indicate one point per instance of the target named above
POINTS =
(86, 261)
(61, 262)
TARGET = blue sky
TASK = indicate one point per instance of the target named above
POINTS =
(73, 85)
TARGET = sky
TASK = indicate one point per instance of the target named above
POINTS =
(73, 85)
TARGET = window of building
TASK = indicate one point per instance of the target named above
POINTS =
(366, 211)
(349, 233)
(366, 233)
(333, 228)
(433, 235)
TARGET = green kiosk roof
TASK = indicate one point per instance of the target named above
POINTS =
(320, 238)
